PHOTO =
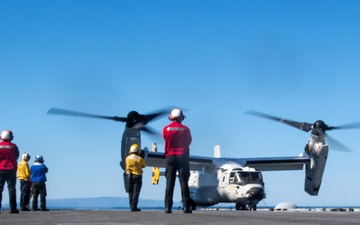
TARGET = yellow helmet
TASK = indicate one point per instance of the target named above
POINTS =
(25, 156)
(134, 148)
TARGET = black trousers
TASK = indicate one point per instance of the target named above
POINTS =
(135, 183)
(38, 188)
(25, 193)
(8, 176)
(180, 164)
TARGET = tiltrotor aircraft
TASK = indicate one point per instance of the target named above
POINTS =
(217, 179)
(239, 180)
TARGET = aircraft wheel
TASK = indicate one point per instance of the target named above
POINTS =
(252, 207)
(239, 206)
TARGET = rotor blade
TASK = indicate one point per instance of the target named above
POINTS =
(302, 126)
(346, 126)
(149, 130)
(65, 112)
(145, 118)
(149, 117)
(337, 146)
(154, 134)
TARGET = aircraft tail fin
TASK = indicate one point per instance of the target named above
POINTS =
(217, 153)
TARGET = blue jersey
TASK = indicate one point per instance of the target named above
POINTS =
(38, 172)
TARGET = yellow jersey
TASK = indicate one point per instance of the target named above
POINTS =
(23, 171)
(134, 164)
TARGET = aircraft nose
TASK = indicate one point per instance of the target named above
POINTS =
(255, 192)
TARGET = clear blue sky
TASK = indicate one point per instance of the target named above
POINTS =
(218, 59)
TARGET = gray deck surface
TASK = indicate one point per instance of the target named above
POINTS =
(158, 217)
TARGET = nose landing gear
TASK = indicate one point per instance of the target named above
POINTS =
(251, 207)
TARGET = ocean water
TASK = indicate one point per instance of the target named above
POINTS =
(120, 203)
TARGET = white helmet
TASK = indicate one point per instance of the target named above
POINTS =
(39, 159)
(176, 114)
(134, 148)
(26, 156)
(7, 135)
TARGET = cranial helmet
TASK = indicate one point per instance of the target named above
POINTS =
(176, 114)
(26, 156)
(134, 148)
(39, 159)
(7, 135)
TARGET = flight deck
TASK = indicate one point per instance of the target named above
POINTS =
(158, 217)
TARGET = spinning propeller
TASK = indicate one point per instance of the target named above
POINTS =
(318, 128)
(133, 120)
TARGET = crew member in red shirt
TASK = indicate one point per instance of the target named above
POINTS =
(9, 153)
(177, 141)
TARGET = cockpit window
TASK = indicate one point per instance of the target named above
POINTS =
(238, 177)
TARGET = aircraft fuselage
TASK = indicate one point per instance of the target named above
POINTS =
(243, 186)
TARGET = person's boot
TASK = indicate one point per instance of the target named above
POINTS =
(14, 211)
(168, 210)
(187, 210)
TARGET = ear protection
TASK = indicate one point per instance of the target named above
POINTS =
(176, 114)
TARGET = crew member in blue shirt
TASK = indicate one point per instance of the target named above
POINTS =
(38, 178)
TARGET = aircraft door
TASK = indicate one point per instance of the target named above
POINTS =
(224, 180)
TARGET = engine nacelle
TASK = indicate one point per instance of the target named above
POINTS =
(314, 170)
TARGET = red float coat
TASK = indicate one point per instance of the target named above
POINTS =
(177, 139)
(9, 153)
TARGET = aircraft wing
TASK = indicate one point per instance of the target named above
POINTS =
(157, 159)
(276, 163)
(199, 163)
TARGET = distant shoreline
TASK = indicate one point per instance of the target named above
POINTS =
(121, 203)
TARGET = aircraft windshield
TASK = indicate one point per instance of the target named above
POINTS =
(241, 177)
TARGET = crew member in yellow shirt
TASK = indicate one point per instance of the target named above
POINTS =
(134, 166)
(24, 176)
